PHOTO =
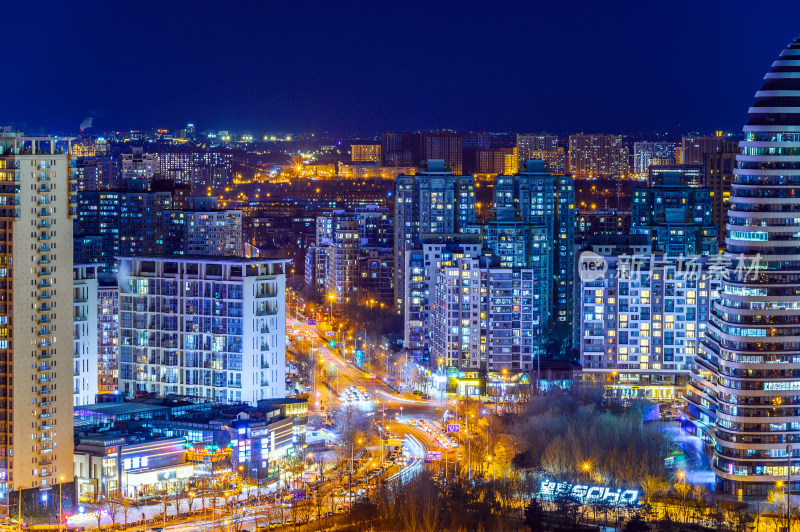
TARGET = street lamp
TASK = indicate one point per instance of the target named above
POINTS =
(60, 512)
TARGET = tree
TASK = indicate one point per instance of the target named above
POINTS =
(636, 524)
(117, 507)
(567, 508)
(534, 515)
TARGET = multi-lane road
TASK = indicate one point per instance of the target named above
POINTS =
(394, 411)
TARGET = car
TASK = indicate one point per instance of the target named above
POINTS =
(156, 529)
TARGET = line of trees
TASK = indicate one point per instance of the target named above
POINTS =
(563, 435)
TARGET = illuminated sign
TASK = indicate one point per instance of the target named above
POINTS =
(434, 455)
(257, 433)
(394, 442)
(454, 427)
(588, 493)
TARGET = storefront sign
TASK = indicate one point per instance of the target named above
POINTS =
(588, 493)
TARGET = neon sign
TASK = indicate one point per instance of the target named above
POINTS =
(588, 493)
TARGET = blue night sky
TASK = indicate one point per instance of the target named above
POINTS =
(616, 67)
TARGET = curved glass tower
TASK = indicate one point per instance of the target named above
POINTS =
(746, 385)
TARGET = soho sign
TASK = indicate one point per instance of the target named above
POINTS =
(588, 493)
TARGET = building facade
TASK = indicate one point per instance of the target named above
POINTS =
(108, 336)
(36, 252)
(434, 201)
(204, 327)
(675, 212)
(718, 176)
(596, 156)
(644, 152)
(642, 321)
(744, 393)
(84, 332)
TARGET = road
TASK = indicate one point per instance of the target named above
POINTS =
(391, 409)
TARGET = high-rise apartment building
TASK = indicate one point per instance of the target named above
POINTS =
(595, 156)
(555, 160)
(538, 197)
(641, 323)
(694, 148)
(200, 169)
(744, 393)
(433, 201)
(718, 176)
(138, 169)
(36, 313)
(445, 145)
(496, 161)
(644, 152)
(421, 269)
(675, 212)
(346, 261)
(366, 153)
(527, 144)
(107, 336)
(206, 327)
(400, 149)
(542, 146)
(215, 233)
(484, 320)
(84, 333)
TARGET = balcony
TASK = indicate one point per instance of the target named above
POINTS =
(43, 237)
(264, 364)
(45, 427)
(45, 284)
(267, 293)
(84, 300)
(43, 296)
(44, 343)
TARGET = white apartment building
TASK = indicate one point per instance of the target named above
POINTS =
(641, 324)
(208, 327)
(36, 314)
(84, 335)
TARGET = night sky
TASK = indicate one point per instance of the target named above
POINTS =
(345, 67)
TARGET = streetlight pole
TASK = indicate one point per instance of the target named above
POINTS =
(60, 508)
(788, 487)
